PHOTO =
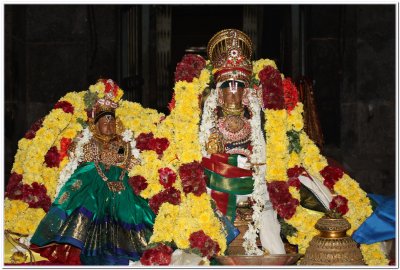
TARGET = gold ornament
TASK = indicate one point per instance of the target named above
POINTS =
(230, 52)
(215, 143)
(332, 246)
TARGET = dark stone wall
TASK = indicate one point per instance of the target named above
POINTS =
(351, 53)
(52, 50)
(368, 106)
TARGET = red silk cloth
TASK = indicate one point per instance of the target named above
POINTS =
(218, 163)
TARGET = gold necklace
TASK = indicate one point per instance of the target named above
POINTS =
(232, 111)
(114, 186)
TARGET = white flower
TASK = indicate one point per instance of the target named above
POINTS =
(127, 135)
(136, 153)
(74, 160)
(208, 120)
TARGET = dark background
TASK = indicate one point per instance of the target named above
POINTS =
(348, 51)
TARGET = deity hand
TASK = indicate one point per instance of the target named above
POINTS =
(215, 143)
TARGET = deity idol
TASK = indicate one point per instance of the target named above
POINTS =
(89, 221)
(234, 146)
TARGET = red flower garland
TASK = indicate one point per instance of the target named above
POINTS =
(160, 255)
(65, 106)
(166, 177)
(52, 157)
(291, 95)
(281, 199)
(193, 178)
(189, 68)
(31, 133)
(13, 186)
(171, 195)
(273, 95)
(146, 141)
(331, 175)
(35, 195)
(207, 247)
(137, 183)
(293, 174)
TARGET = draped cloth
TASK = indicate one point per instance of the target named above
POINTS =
(381, 225)
(105, 227)
(226, 181)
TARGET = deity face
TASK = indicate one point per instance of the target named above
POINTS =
(106, 125)
(232, 99)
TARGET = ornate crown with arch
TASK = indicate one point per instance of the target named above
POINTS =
(230, 52)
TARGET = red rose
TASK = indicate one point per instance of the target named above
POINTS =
(166, 177)
(52, 157)
(290, 94)
(171, 195)
(331, 175)
(138, 183)
(160, 255)
(273, 95)
(193, 178)
(65, 106)
(207, 247)
(31, 133)
(339, 205)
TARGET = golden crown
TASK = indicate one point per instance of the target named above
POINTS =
(230, 52)
(102, 107)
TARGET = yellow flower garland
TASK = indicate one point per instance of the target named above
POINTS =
(303, 219)
(175, 222)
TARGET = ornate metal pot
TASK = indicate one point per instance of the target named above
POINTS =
(332, 246)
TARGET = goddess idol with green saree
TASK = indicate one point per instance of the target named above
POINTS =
(96, 217)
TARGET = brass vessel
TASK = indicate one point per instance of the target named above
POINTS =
(332, 246)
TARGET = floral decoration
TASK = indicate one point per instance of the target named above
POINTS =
(170, 195)
(316, 166)
(31, 133)
(138, 183)
(193, 178)
(167, 177)
(339, 205)
(65, 106)
(273, 96)
(189, 68)
(184, 212)
(291, 95)
(159, 255)
(52, 157)
(202, 242)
